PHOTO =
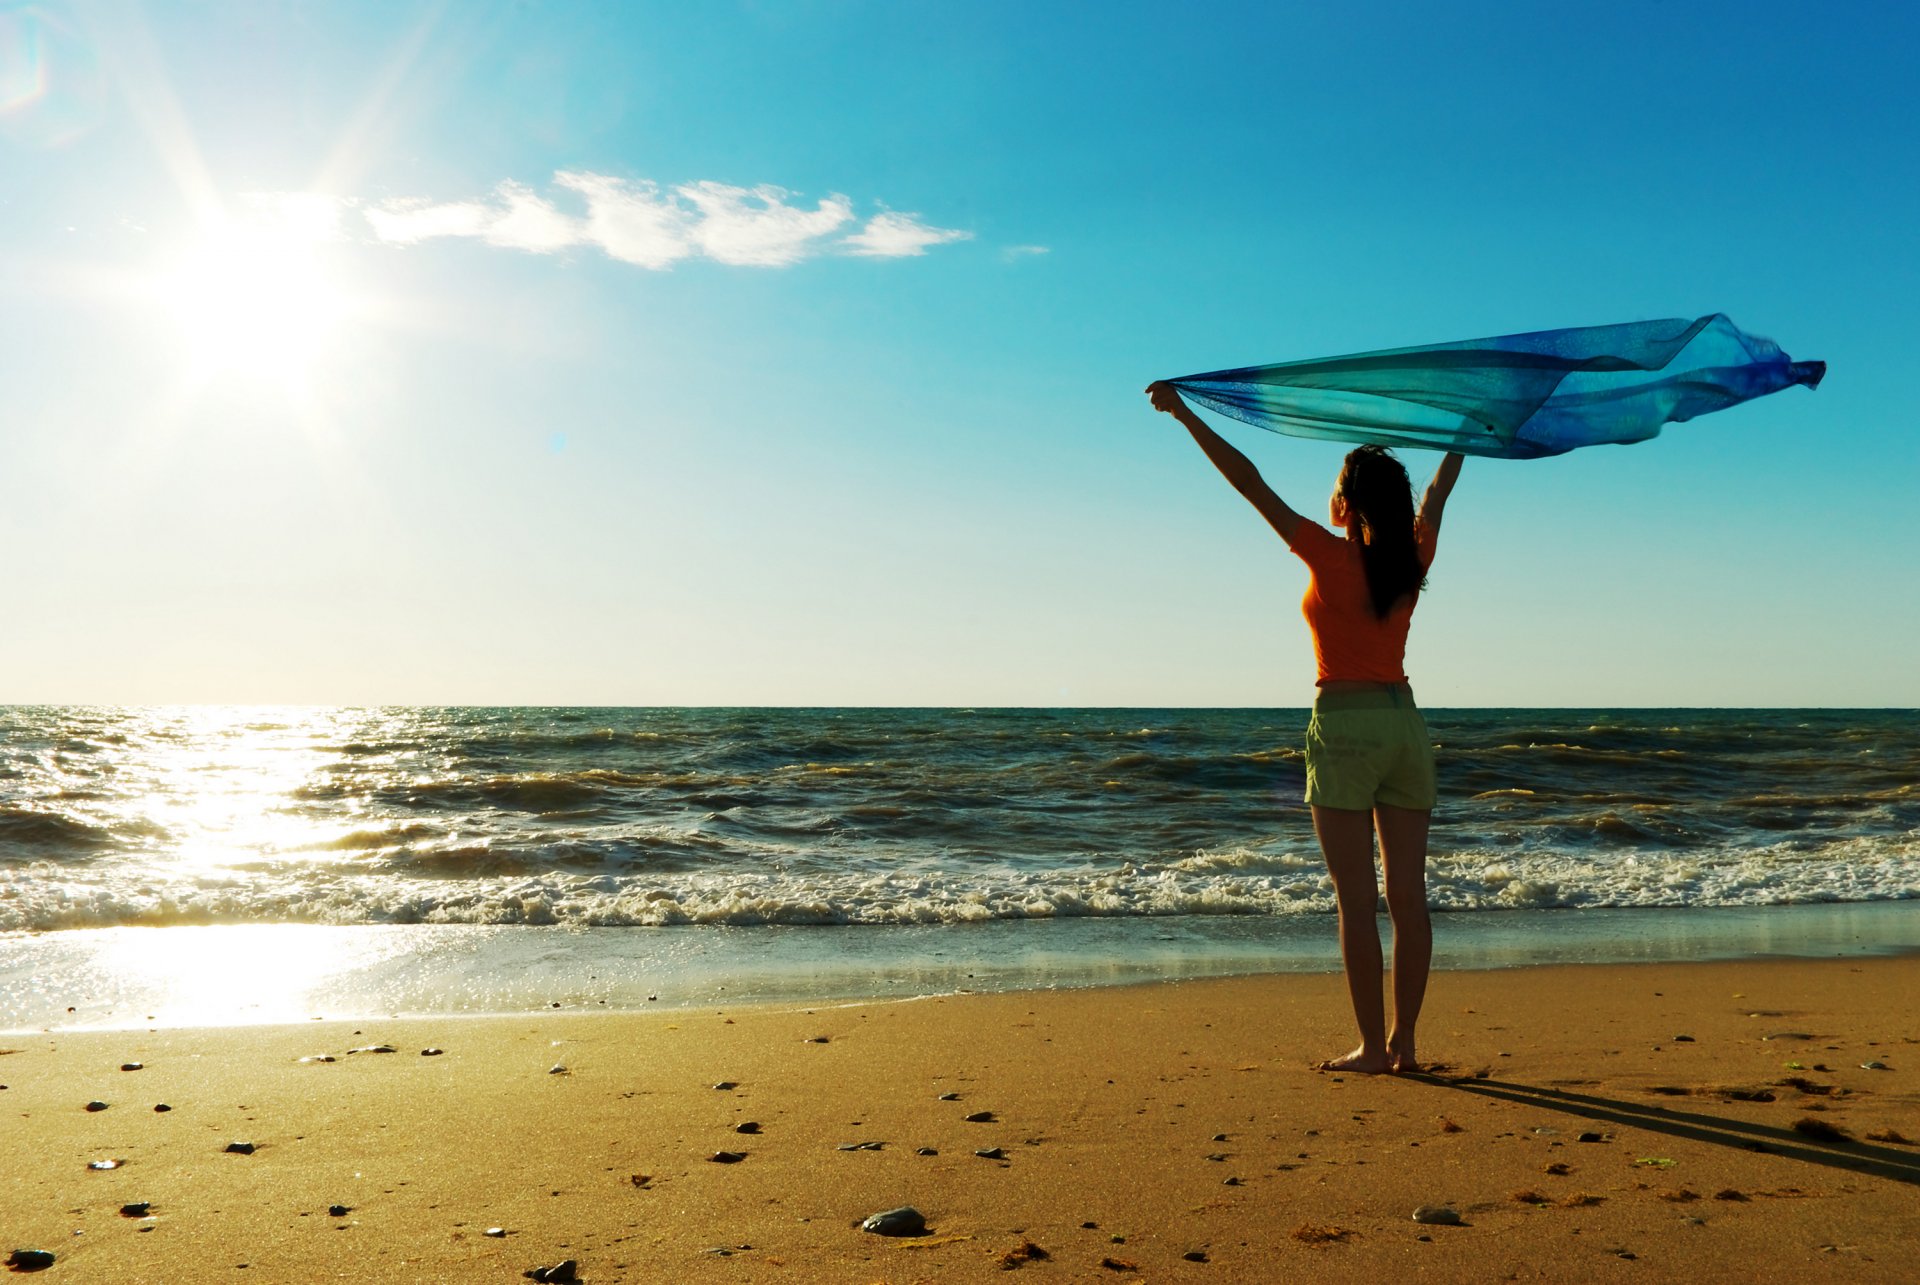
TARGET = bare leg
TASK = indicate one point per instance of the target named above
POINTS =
(1346, 840)
(1403, 851)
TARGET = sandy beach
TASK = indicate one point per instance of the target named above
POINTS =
(1174, 1131)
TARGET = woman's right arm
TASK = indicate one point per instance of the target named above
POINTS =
(1434, 503)
(1233, 466)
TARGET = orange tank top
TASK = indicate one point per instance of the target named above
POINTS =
(1350, 643)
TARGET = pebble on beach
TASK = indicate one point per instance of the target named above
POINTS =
(980, 1117)
(96, 1106)
(339, 1211)
(431, 1052)
(240, 1148)
(1437, 1216)
(904, 1221)
(727, 1085)
(992, 1153)
(747, 1126)
(372, 1048)
(133, 1066)
(727, 1157)
(30, 1260)
(561, 1273)
(105, 1164)
(162, 1107)
(136, 1209)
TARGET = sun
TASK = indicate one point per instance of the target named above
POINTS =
(257, 296)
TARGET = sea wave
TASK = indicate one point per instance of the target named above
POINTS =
(502, 887)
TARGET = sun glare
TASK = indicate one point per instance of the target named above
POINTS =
(255, 298)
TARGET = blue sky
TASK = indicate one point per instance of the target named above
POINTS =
(460, 353)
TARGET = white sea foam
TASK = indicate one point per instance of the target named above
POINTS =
(47, 895)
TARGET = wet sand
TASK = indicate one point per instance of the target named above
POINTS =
(1144, 1129)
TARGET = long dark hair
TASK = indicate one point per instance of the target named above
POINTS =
(1380, 514)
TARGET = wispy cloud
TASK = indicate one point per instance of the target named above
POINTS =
(1014, 253)
(893, 236)
(641, 223)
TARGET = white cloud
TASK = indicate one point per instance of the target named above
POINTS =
(1016, 252)
(757, 226)
(893, 236)
(410, 222)
(530, 222)
(632, 222)
(638, 222)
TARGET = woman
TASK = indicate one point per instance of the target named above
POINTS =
(1369, 762)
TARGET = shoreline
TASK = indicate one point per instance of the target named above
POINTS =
(260, 974)
(1180, 1116)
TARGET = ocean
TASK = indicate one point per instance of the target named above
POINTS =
(486, 859)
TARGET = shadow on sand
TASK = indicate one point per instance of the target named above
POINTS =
(1851, 1155)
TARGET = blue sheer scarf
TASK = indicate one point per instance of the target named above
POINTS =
(1514, 396)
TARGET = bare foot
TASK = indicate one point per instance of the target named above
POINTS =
(1400, 1056)
(1361, 1061)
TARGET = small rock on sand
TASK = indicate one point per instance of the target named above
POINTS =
(136, 1209)
(133, 1066)
(980, 1117)
(240, 1148)
(372, 1048)
(339, 1211)
(105, 1164)
(727, 1157)
(1437, 1216)
(431, 1052)
(747, 1126)
(1195, 1255)
(904, 1221)
(992, 1153)
(949, 1097)
(561, 1273)
(1590, 1137)
(725, 1085)
(925, 1151)
(96, 1106)
(162, 1107)
(318, 1057)
(558, 1068)
(30, 1260)
(495, 1232)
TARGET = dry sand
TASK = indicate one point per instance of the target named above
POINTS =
(1141, 1126)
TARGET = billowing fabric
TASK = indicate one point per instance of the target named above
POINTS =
(1514, 396)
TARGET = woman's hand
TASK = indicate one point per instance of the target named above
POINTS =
(1165, 397)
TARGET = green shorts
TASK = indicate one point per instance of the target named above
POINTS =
(1365, 748)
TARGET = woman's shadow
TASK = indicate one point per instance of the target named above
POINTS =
(1835, 1150)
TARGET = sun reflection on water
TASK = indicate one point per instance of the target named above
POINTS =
(237, 974)
(226, 781)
